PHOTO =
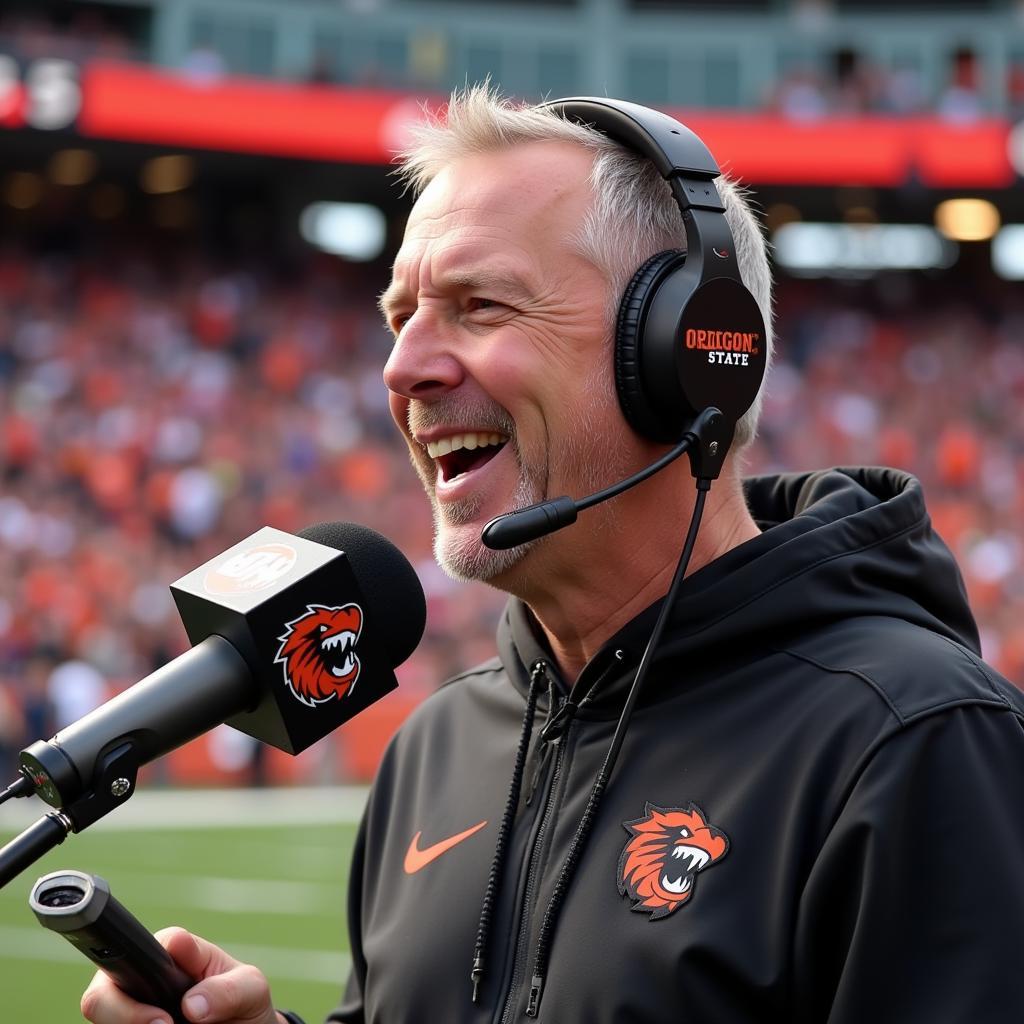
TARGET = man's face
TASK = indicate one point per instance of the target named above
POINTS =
(500, 378)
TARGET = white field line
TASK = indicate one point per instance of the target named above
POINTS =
(292, 964)
(238, 895)
(203, 808)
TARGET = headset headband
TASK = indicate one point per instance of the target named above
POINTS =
(689, 334)
(670, 146)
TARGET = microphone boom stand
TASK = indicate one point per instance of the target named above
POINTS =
(113, 784)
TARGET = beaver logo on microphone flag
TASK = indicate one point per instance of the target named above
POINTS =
(318, 653)
(668, 848)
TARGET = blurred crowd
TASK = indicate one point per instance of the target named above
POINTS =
(845, 83)
(928, 377)
(151, 417)
(827, 81)
(28, 34)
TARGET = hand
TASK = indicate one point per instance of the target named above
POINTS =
(227, 992)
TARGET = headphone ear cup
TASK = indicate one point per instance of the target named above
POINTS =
(636, 406)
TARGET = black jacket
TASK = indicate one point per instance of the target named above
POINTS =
(841, 775)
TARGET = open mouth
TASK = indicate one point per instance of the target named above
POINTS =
(462, 453)
(338, 652)
(693, 860)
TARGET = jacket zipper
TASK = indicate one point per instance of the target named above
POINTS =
(523, 937)
(555, 705)
(556, 731)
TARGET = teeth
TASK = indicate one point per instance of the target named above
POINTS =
(470, 442)
(679, 885)
(348, 638)
(695, 857)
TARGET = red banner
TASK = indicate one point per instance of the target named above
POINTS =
(142, 104)
(768, 150)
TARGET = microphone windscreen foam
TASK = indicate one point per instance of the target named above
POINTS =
(388, 582)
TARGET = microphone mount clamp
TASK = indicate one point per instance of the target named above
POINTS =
(113, 785)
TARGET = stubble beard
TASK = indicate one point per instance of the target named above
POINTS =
(459, 551)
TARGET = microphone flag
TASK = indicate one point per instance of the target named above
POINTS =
(295, 612)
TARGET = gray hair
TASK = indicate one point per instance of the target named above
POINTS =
(633, 215)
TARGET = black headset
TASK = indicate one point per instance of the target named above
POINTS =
(690, 345)
(689, 334)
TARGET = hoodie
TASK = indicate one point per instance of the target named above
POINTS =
(815, 815)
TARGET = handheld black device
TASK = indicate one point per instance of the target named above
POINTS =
(81, 908)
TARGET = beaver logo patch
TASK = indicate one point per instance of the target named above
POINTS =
(318, 653)
(669, 847)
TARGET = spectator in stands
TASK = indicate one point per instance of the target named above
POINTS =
(204, 63)
(963, 99)
(74, 688)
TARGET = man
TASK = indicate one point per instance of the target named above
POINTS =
(818, 739)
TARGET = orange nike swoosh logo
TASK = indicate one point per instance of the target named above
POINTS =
(415, 858)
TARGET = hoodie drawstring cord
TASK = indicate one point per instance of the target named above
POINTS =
(538, 676)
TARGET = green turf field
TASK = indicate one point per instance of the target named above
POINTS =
(291, 924)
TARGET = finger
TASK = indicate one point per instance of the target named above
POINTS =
(197, 957)
(240, 994)
(104, 1003)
